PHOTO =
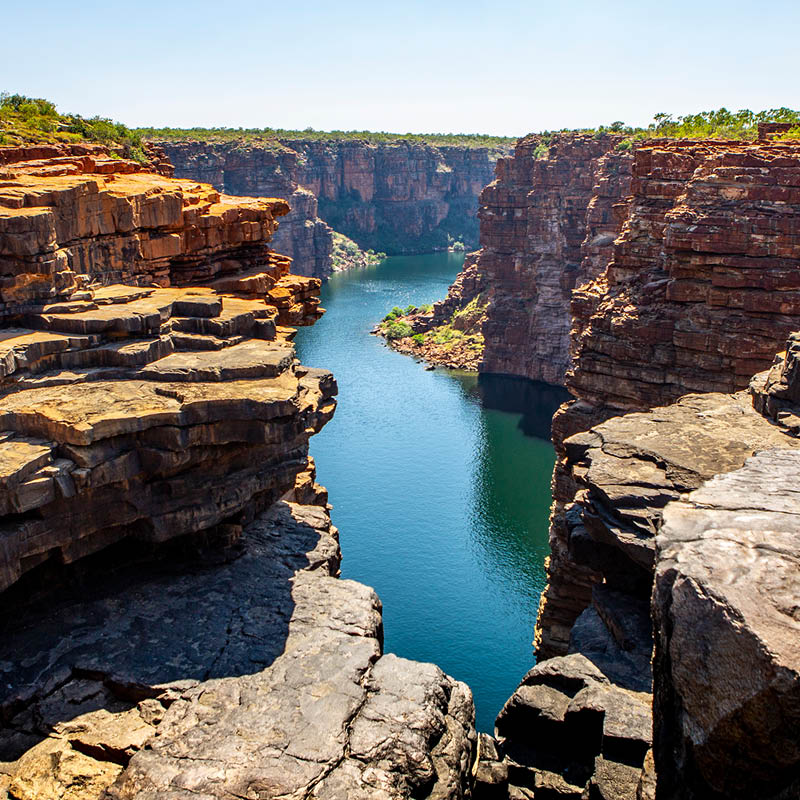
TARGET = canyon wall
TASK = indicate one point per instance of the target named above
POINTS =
(394, 197)
(685, 262)
(172, 619)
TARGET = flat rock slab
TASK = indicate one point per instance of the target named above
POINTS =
(252, 359)
(82, 414)
(267, 671)
(725, 606)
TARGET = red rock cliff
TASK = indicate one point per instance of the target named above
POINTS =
(546, 223)
(395, 197)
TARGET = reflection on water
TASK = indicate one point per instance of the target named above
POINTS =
(536, 401)
(441, 500)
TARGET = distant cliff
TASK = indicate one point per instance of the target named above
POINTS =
(396, 197)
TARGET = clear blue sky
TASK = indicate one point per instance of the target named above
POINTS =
(503, 67)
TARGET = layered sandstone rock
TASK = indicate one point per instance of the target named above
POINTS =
(70, 221)
(533, 224)
(699, 294)
(172, 622)
(725, 679)
(702, 288)
(394, 197)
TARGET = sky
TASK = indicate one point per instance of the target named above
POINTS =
(506, 67)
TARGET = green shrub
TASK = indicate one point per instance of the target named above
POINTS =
(426, 309)
(419, 338)
(411, 309)
(397, 330)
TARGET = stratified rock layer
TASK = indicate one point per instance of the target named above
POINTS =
(727, 663)
(702, 288)
(397, 197)
(70, 221)
(698, 295)
(533, 223)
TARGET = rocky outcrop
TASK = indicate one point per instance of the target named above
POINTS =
(172, 620)
(268, 170)
(393, 197)
(108, 222)
(568, 732)
(702, 287)
(697, 296)
(725, 681)
(533, 224)
(725, 610)
(260, 673)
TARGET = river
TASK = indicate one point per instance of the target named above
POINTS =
(442, 502)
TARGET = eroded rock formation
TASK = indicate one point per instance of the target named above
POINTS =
(394, 197)
(172, 620)
(726, 672)
(727, 664)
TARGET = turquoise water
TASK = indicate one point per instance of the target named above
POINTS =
(442, 503)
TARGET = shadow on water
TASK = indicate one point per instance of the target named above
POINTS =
(534, 400)
(441, 498)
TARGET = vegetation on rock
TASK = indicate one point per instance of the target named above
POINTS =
(261, 135)
(31, 120)
(346, 254)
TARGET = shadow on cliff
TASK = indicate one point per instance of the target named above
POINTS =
(135, 617)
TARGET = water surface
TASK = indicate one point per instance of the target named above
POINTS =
(442, 503)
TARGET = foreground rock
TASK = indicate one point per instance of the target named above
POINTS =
(727, 699)
(568, 732)
(726, 675)
(274, 685)
(118, 421)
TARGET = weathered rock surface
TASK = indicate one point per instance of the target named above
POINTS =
(567, 731)
(72, 221)
(160, 636)
(696, 297)
(396, 197)
(615, 481)
(724, 558)
(273, 685)
(153, 413)
(725, 603)
(702, 287)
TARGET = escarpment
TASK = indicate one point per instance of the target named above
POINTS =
(672, 492)
(393, 197)
(172, 620)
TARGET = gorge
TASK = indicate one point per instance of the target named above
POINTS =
(391, 196)
(187, 634)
